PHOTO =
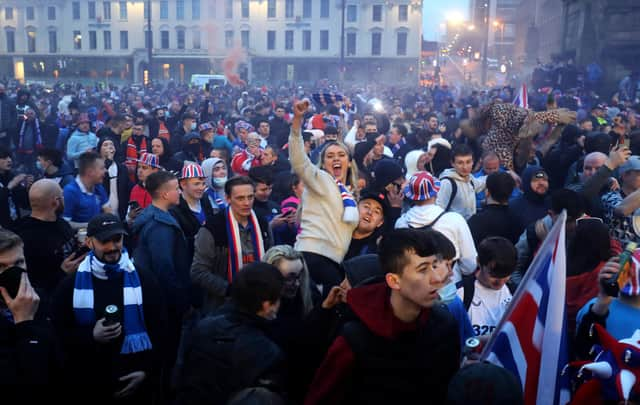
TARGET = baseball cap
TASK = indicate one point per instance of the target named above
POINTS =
(540, 174)
(422, 186)
(633, 163)
(104, 226)
(379, 197)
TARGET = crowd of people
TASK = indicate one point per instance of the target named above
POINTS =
(294, 245)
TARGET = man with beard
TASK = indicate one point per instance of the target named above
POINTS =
(532, 204)
(110, 319)
(48, 239)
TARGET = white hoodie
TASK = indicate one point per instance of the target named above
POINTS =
(453, 226)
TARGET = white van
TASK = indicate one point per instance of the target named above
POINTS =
(202, 80)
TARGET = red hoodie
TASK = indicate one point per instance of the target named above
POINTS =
(372, 304)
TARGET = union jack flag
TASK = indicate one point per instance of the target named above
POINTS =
(531, 339)
(522, 99)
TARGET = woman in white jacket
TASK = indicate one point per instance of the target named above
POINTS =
(329, 210)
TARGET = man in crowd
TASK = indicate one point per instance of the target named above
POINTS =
(8, 122)
(372, 209)
(387, 355)
(147, 165)
(532, 204)
(52, 167)
(620, 205)
(82, 140)
(13, 190)
(85, 197)
(228, 241)
(111, 338)
(458, 192)
(136, 145)
(266, 209)
(279, 127)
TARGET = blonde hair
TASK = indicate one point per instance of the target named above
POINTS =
(285, 252)
(352, 174)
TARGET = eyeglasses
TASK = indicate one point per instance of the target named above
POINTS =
(585, 219)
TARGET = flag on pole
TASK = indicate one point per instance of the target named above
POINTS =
(531, 339)
(522, 99)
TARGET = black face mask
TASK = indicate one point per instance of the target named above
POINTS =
(10, 280)
(194, 149)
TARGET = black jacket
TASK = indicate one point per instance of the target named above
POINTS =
(279, 130)
(95, 367)
(18, 196)
(227, 353)
(124, 188)
(188, 222)
(493, 220)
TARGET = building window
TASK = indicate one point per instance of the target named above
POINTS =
(53, 42)
(228, 39)
(244, 8)
(106, 6)
(92, 10)
(107, 39)
(377, 12)
(288, 9)
(164, 39)
(271, 9)
(228, 9)
(8, 12)
(77, 40)
(75, 10)
(179, 9)
(324, 40)
(271, 40)
(148, 42)
(351, 43)
(93, 40)
(31, 41)
(403, 12)
(197, 41)
(324, 8)
(123, 10)
(30, 13)
(180, 38)
(164, 9)
(402, 44)
(124, 39)
(195, 9)
(11, 41)
(51, 13)
(145, 11)
(244, 39)
(306, 8)
(352, 13)
(288, 40)
(306, 40)
(376, 43)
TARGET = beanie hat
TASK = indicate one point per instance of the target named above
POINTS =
(384, 172)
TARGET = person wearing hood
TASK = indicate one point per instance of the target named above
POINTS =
(116, 180)
(191, 149)
(194, 207)
(82, 140)
(560, 158)
(187, 126)
(51, 165)
(160, 147)
(458, 193)
(422, 190)
(216, 175)
(8, 118)
(532, 204)
(389, 353)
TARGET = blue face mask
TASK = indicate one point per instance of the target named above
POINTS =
(39, 166)
(193, 126)
(166, 114)
(447, 293)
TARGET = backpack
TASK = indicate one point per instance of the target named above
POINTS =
(430, 225)
(454, 190)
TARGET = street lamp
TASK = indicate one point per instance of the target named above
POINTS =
(149, 41)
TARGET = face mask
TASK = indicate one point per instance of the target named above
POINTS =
(447, 293)
(166, 114)
(194, 149)
(193, 126)
(219, 182)
(39, 166)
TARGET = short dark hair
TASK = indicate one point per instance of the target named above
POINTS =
(395, 245)
(261, 174)
(9, 241)
(446, 248)
(237, 181)
(330, 130)
(499, 255)
(401, 129)
(86, 161)
(156, 180)
(564, 199)
(461, 149)
(4, 152)
(431, 115)
(500, 186)
(53, 155)
(260, 121)
(256, 283)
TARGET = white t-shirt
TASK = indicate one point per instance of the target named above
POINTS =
(487, 307)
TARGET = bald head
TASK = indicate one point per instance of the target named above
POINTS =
(592, 162)
(43, 195)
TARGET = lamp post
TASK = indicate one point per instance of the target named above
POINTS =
(344, 6)
(485, 50)
(149, 41)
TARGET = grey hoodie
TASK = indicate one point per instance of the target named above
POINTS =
(465, 198)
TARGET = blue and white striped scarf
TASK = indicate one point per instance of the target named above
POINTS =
(136, 338)
(350, 214)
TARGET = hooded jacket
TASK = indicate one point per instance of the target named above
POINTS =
(464, 202)
(162, 249)
(452, 225)
(530, 206)
(379, 359)
(187, 153)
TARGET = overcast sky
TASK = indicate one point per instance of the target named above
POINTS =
(434, 14)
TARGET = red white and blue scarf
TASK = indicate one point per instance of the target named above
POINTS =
(235, 257)
(350, 214)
